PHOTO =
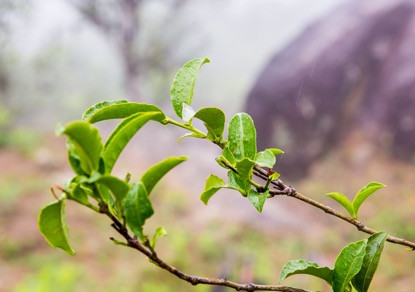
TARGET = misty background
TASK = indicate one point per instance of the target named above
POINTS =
(281, 61)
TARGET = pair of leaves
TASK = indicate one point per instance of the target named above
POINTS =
(137, 206)
(135, 202)
(182, 88)
(361, 196)
(182, 92)
(85, 146)
(214, 184)
(235, 182)
(135, 116)
(356, 264)
(123, 134)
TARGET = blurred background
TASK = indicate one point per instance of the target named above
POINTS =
(331, 82)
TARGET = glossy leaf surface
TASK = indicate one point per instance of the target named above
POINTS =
(348, 264)
(242, 136)
(374, 250)
(122, 135)
(118, 109)
(137, 208)
(151, 177)
(181, 91)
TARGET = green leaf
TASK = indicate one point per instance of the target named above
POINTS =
(79, 194)
(214, 120)
(74, 160)
(160, 232)
(274, 176)
(188, 135)
(237, 183)
(118, 187)
(296, 267)
(84, 141)
(137, 208)
(122, 135)
(119, 109)
(364, 193)
(213, 184)
(344, 201)
(275, 151)
(187, 112)
(257, 199)
(348, 264)
(52, 224)
(228, 157)
(265, 159)
(181, 90)
(242, 136)
(151, 177)
(245, 168)
(374, 250)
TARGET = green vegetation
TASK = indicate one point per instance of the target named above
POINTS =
(129, 206)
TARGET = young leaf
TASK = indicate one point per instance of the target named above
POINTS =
(213, 184)
(118, 187)
(364, 193)
(228, 157)
(84, 141)
(118, 109)
(100, 105)
(344, 201)
(214, 121)
(187, 112)
(265, 159)
(245, 168)
(296, 267)
(348, 264)
(137, 208)
(122, 135)
(151, 177)
(242, 136)
(160, 232)
(374, 249)
(52, 224)
(275, 151)
(237, 183)
(274, 176)
(74, 160)
(181, 90)
(79, 194)
(257, 199)
(187, 135)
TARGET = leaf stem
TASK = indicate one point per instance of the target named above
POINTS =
(184, 126)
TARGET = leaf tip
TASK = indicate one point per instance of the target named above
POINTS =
(59, 129)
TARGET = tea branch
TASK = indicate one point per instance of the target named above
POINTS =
(282, 189)
(134, 243)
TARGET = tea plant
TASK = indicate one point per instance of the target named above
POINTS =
(128, 204)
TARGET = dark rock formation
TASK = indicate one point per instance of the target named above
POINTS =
(355, 69)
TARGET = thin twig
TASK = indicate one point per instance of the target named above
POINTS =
(282, 189)
(134, 243)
